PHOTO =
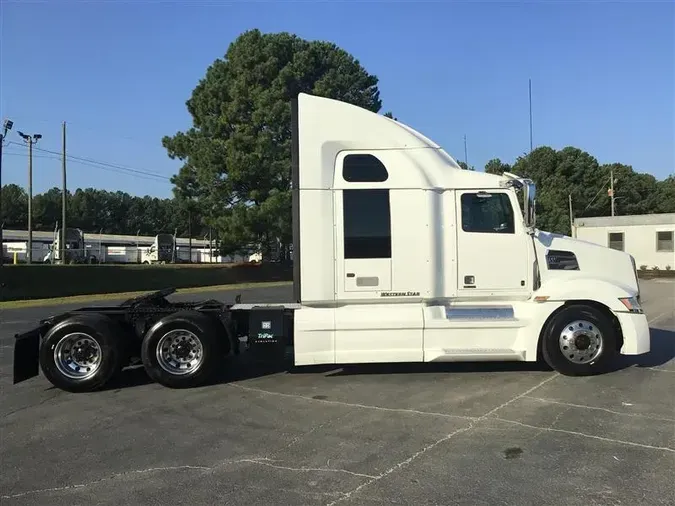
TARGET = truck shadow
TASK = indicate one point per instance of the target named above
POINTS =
(245, 368)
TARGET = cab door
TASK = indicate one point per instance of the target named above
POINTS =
(365, 213)
(494, 251)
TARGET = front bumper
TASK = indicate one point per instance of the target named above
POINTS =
(635, 329)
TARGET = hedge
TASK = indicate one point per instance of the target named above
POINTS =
(19, 282)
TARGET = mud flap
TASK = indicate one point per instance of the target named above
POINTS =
(27, 354)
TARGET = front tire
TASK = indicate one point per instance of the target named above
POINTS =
(82, 353)
(181, 350)
(580, 340)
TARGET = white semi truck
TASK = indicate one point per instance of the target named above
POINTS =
(75, 251)
(162, 250)
(399, 256)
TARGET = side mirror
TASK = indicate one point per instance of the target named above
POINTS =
(530, 202)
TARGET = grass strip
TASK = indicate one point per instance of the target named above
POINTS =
(88, 299)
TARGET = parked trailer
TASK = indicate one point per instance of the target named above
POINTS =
(481, 284)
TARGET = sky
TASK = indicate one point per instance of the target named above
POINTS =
(119, 73)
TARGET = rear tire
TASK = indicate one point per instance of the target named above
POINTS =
(182, 350)
(82, 353)
(579, 341)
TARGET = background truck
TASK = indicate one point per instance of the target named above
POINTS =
(480, 284)
(162, 250)
(75, 250)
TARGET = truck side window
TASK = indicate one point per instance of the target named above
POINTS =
(487, 213)
(363, 169)
(367, 223)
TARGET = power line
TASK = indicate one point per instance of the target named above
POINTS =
(593, 200)
(120, 169)
(152, 177)
(107, 164)
(148, 176)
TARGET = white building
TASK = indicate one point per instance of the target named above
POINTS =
(111, 248)
(650, 238)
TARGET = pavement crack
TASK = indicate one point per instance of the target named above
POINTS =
(102, 480)
(529, 390)
(445, 438)
(302, 436)
(354, 405)
(654, 319)
(582, 434)
(306, 469)
(263, 461)
(583, 406)
(559, 416)
(401, 464)
(40, 403)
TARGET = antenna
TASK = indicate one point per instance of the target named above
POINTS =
(466, 158)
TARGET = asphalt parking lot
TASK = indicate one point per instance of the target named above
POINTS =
(487, 434)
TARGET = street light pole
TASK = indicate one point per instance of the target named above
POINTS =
(30, 141)
(6, 127)
(63, 199)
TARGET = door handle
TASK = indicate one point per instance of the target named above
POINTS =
(350, 274)
(469, 280)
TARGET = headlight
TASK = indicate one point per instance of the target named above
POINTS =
(632, 304)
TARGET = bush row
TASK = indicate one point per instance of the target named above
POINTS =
(18, 282)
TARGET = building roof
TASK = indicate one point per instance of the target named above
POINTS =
(108, 239)
(634, 220)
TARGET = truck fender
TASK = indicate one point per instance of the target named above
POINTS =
(596, 290)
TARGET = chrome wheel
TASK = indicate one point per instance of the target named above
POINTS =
(580, 342)
(77, 356)
(179, 352)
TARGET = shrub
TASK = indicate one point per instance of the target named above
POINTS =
(643, 267)
(668, 267)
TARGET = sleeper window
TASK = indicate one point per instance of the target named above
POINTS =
(367, 223)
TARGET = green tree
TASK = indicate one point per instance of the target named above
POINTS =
(634, 192)
(496, 166)
(47, 209)
(665, 196)
(14, 211)
(559, 174)
(236, 155)
(464, 166)
(571, 171)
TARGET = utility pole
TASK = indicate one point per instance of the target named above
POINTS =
(530, 91)
(63, 198)
(571, 216)
(190, 234)
(611, 188)
(466, 158)
(6, 127)
(30, 141)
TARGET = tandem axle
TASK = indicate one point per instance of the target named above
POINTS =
(178, 343)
